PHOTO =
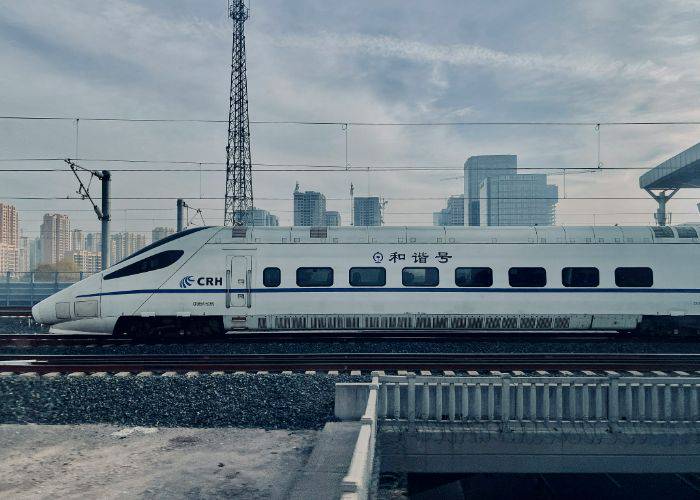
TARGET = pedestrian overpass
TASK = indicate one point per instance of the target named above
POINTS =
(664, 180)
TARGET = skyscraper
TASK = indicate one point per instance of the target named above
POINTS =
(478, 168)
(159, 233)
(124, 244)
(55, 238)
(93, 242)
(9, 234)
(518, 200)
(309, 208)
(77, 240)
(9, 225)
(24, 254)
(86, 261)
(34, 253)
(259, 217)
(332, 218)
(453, 215)
(367, 211)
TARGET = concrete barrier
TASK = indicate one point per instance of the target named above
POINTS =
(357, 482)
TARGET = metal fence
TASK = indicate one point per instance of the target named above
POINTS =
(23, 290)
(613, 398)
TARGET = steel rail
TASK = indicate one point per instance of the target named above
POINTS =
(292, 336)
(351, 361)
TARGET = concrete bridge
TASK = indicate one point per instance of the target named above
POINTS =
(517, 423)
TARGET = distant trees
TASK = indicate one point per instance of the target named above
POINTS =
(67, 270)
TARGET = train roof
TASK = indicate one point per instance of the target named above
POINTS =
(460, 234)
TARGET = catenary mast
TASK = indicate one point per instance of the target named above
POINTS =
(239, 181)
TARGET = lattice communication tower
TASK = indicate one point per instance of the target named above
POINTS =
(239, 179)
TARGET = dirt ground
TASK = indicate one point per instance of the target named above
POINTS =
(101, 461)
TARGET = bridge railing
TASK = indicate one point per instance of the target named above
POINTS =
(23, 290)
(506, 398)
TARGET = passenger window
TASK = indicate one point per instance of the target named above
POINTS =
(272, 277)
(686, 232)
(580, 277)
(633, 277)
(420, 276)
(473, 276)
(527, 277)
(152, 263)
(314, 276)
(367, 276)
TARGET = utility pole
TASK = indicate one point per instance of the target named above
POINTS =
(105, 217)
(239, 182)
(180, 210)
(103, 214)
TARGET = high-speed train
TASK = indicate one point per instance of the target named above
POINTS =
(209, 280)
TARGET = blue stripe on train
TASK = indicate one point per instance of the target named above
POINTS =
(400, 290)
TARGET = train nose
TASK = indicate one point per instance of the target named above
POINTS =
(44, 312)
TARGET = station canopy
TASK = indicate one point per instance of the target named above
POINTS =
(681, 171)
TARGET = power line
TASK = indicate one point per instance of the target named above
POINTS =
(155, 198)
(353, 123)
(289, 167)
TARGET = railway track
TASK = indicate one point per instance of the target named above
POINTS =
(460, 362)
(337, 336)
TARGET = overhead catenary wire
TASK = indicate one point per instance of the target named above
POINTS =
(273, 167)
(424, 198)
(340, 123)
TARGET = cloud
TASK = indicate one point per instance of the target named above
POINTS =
(588, 67)
(678, 40)
(320, 61)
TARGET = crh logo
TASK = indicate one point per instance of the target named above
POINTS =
(186, 281)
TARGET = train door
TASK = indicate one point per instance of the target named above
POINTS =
(239, 277)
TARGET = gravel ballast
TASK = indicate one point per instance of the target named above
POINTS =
(271, 401)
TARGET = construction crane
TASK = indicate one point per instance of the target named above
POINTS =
(239, 180)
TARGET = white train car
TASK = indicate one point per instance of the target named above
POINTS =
(214, 279)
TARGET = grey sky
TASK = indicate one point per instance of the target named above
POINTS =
(388, 61)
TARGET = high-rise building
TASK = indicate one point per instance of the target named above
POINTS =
(86, 261)
(9, 234)
(518, 200)
(77, 240)
(453, 215)
(159, 233)
(55, 238)
(478, 168)
(8, 258)
(332, 218)
(124, 244)
(259, 217)
(367, 211)
(34, 253)
(9, 225)
(309, 208)
(24, 254)
(93, 242)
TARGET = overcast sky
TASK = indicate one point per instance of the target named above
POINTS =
(360, 61)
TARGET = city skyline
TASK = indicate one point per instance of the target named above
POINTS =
(58, 241)
(412, 70)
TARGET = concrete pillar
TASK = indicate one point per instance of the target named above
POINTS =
(661, 199)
